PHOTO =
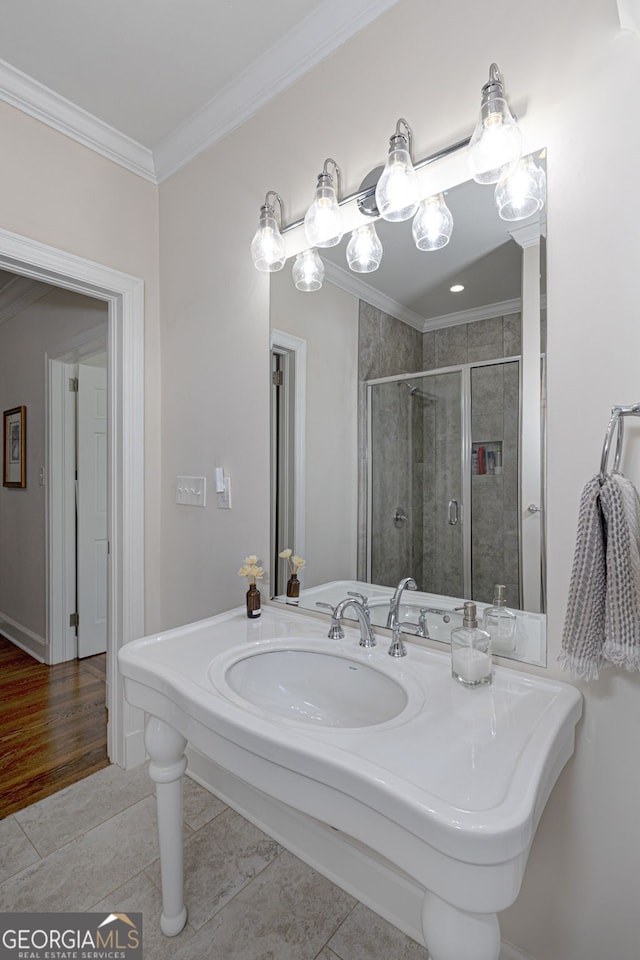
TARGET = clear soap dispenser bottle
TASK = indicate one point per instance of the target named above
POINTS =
(471, 651)
(500, 622)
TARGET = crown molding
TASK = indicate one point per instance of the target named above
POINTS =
(301, 49)
(36, 100)
(18, 294)
(500, 309)
(351, 283)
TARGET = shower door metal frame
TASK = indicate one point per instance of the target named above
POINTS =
(464, 369)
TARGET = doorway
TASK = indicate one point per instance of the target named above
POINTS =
(124, 296)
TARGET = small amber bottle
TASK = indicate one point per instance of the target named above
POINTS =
(253, 602)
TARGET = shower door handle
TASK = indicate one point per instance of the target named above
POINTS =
(454, 512)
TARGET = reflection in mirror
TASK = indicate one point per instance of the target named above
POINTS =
(407, 434)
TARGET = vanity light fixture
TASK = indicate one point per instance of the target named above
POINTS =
(496, 141)
(308, 271)
(397, 193)
(364, 250)
(521, 193)
(267, 246)
(323, 219)
(433, 224)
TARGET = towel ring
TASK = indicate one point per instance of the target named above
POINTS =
(616, 420)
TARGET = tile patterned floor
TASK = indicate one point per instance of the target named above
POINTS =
(93, 846)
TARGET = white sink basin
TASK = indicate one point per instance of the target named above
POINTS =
(317, 688)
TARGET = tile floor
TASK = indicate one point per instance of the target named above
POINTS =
(93, 846)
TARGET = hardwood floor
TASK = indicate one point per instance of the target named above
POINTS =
(53, 725)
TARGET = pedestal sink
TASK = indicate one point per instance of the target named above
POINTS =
(420, 797)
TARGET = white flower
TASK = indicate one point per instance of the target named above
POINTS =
(297, 562)
(285, 554)
(251, 569)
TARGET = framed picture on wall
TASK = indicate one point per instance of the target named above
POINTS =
(14, 472)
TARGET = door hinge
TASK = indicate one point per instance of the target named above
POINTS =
(74, 620)
(73, 384)
(277, 378)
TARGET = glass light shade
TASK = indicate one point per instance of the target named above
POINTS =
(267, 246)
(364, 250)
(397, 192)
(308, 271)
(323, 220)
(522, 192)
(496, 142)
(433, 224)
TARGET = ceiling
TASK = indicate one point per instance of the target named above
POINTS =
(151, 83)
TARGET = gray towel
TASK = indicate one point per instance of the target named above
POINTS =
(603, 612)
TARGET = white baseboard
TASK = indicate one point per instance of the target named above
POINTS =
(509, 952)
(358, 870)
(24, 638)
(134, 749)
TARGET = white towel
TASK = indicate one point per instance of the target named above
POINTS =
(603, 611)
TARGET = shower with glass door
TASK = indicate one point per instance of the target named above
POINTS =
(443, 479)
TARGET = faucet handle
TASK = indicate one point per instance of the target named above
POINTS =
(335, 630)
(361, 597)
(421, 627)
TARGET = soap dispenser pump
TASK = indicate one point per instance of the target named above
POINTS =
(471, 661)
(500, 622)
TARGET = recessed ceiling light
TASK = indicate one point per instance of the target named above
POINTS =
(457, 288)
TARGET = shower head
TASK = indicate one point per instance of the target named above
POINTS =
(410, 386)
(415, 391)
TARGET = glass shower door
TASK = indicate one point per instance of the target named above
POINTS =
(415, 485)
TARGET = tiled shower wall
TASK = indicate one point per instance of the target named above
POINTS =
(388, 347)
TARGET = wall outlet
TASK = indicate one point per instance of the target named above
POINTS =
(191, 491)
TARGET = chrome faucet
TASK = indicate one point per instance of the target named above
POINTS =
(394, 606)
(367, 638)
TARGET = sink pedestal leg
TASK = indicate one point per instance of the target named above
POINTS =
(166, 748)
(452, 934)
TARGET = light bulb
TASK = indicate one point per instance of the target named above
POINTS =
(522, 192)
(433, 224)
(397, 192)
(267, 246)
(497, 141)
(364, 250)
(323, 220)
(308, 271)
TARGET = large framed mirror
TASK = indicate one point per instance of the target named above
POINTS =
(408, 420)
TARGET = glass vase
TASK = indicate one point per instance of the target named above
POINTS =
(253, 602)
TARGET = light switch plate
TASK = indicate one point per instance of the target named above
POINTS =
(191, 491)
(224, 497)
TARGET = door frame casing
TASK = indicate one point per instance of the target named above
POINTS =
(124, 295)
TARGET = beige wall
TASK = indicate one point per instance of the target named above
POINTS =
(567, 67)
(56, 192)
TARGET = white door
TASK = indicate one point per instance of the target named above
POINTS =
(92, 510)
